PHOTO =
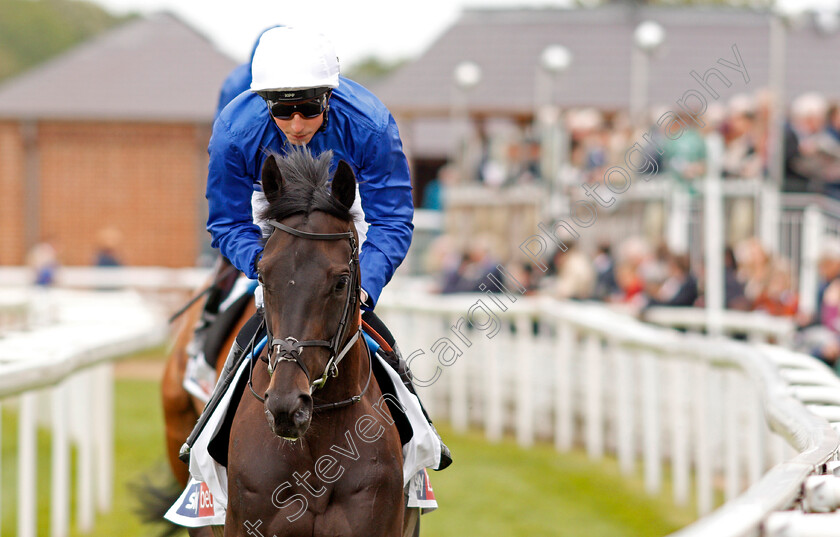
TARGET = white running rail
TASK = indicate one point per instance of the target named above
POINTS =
(754, 419)
(62, 362)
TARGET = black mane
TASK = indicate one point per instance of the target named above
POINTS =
(306, 186)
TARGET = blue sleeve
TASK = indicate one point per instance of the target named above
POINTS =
(385, 188)
(229, 190)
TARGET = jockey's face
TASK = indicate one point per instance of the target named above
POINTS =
(298, 129)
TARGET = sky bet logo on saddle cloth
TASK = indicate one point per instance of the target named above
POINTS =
(195, 507)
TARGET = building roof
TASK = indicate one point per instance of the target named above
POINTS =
(507, 44)
(150, 69)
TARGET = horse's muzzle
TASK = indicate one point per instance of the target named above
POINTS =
(288, 415)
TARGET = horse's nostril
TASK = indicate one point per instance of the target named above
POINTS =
(300, 417)
(303, 413)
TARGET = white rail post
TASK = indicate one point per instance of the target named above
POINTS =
(714, 220)
(594, 397)
(27, 469)
(103, 415)
(812, 232)
(625, 405)
(704, 469)
(680, 433)
(563, 411)
(652, 454)
(525, 382)
(731, 443)
(414, 328)
(756, 436)
(60, 478)
(84, 491)
(458, 399)
(493, 395)
(679, 220)
(770, 217)
(430, 329)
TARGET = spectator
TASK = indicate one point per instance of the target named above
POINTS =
(778, 297)
(741, 158)
(575, 274)
(43, 260)
(820, 332)
(630, 284)
(680, 286)
(106, 253)
(735, 296)
(753, 267)
(685, 157)
(605, 279)
(476, 264)
(434, 192)
(807, 120)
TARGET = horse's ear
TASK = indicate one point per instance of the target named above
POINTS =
(272, 179)
(344, 184)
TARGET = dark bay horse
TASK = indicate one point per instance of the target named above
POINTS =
(313, 449)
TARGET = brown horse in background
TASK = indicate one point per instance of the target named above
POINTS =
(180, 408)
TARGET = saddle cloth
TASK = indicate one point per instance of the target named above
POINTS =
(204, 501)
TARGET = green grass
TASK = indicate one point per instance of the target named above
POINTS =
(490, 490)
(503, 490)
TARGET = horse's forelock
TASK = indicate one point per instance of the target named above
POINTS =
(305, 186)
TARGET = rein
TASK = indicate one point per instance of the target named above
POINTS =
(289, 349)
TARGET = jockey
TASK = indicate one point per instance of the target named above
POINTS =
(297, 98)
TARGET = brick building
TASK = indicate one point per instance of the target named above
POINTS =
(112, 135)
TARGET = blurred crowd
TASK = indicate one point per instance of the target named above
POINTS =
(596, 141)
(811, 142)
(637, 276)
(634, 274)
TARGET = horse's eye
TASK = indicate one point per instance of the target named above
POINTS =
(343, 282)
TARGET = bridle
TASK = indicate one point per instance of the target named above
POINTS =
(289, 349)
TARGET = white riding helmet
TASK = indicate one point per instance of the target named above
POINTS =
(288, 60)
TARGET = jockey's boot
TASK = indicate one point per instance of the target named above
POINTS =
(224, 278)
(200, 375)
(234, 358)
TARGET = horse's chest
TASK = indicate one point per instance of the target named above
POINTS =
(349, 489)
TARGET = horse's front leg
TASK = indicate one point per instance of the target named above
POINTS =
(411, 522)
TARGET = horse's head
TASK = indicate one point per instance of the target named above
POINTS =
(310, 276)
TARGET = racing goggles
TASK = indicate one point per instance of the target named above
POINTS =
(308, 109)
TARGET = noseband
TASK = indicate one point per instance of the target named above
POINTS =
(290, 349)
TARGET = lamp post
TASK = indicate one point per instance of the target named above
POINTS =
(771, 191)
(647, 37)
(466, 76)
(554, 62)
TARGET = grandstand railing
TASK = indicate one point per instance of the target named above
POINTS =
(754, 326)
(752, 419)
(793, 226)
